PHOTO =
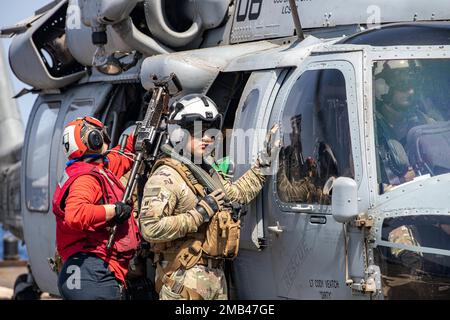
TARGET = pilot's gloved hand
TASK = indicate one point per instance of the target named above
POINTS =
(270, 149)
(123, 212)
(210, 204)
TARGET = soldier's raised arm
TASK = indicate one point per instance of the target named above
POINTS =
(248, 186)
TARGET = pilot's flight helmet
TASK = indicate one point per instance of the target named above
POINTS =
(187, 111)
(396, 75)
(84, 136)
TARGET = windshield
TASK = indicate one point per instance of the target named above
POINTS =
(411, 106)
(413, 256)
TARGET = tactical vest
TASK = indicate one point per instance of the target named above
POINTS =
(219, 239)
(70, 241)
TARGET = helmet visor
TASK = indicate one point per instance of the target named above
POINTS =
(404, 82)
(189, 120)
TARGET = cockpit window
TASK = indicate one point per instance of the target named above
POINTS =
(414, 257)
(412, 113)
(316, 142)
(38, 157)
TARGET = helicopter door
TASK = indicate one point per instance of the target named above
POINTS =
(252, 117)
(37, 223)
(43, 164)
(307, 244)
(260, 91)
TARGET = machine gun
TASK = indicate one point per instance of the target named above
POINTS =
(149, 133)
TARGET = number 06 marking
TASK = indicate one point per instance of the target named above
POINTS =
(253, 13)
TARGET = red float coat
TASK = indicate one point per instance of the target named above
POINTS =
(81, 218)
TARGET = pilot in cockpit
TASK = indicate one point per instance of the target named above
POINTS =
(398, 108)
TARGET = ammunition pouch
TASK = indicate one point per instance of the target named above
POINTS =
(222, 236)
(190, 253)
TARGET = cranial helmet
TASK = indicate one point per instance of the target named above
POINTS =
(84, 136)
(187, 111)
(396, 75)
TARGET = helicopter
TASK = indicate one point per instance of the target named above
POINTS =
(324, 73)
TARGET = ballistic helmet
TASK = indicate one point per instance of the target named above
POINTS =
(189, 111)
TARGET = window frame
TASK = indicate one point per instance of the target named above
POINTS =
(348, 70)
(31, 120)
(371, 55)
(375, 124)
(399, 213)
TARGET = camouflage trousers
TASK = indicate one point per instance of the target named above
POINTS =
(210, 283)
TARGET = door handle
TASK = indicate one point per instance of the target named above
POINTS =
(318, 219)
(302, 209)
(275, 229)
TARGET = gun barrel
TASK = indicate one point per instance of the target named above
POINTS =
(111, 237)
(127, 194)
(130, 184)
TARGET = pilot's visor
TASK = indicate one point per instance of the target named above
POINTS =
(189, 120)
(405, 83)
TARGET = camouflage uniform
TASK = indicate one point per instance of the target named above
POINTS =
(300, 191)
(168, 216)
(405, 235)
(300, 188)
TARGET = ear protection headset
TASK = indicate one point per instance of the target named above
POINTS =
(84, 136)
(93, 134)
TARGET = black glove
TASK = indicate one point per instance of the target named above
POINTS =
(123, 212)
(210, 204)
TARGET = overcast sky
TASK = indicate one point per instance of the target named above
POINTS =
(10, 13)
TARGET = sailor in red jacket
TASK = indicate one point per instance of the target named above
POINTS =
(87, 204)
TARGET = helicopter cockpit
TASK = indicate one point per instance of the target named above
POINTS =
(411, 112)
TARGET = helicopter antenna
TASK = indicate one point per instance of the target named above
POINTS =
(296, 18)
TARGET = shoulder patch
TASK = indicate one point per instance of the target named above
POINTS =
(153, 192)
